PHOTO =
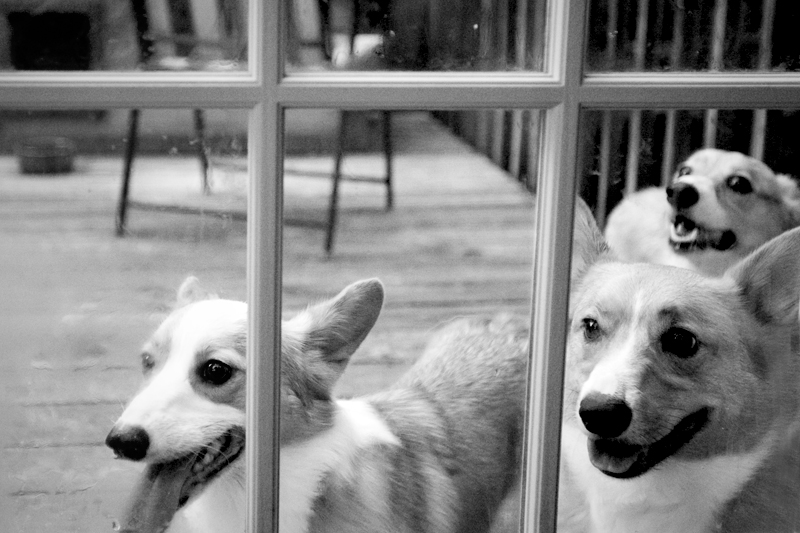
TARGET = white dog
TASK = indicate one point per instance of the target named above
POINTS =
(720, 207)
(682, 395)
(436, 453)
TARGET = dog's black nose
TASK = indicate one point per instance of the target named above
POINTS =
(682, 195)
(604, 415)
(129, 442)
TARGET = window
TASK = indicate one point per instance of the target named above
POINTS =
(570, 78)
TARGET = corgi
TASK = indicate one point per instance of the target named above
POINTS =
(437, 452)
(720, 207)
(682, 394)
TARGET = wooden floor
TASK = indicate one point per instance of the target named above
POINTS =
(76, 303)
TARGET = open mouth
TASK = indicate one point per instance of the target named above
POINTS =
(166, 487)
(686, 236)
(624, 460)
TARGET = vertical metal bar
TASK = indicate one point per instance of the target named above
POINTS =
(515, 148)
(715, 65)
(499, 115)
(264, 258)
(758, 136)
(518, 115)
(555, 204)
(632, 159)
(668, 159)
(534, 125)
(611, 34)
(605, 127)
(605, 169)
(635, 123)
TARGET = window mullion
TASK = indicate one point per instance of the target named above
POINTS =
(551, 268)
(264, 269)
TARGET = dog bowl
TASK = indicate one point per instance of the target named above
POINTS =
(46, 155)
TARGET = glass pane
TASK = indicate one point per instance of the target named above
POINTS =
(450, 238)
(79, 302)
(658, 357)
(721, 35)
(157, 35)
(435, 36)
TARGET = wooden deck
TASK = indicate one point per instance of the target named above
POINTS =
(77, 302)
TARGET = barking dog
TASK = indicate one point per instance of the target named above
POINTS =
(681, 395)
(437, 452)
(720, 207)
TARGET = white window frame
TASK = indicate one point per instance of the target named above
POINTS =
(562, 90)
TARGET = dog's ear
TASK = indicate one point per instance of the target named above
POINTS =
(335, 328)
(588, 244)
(191, 291)
(769, 279)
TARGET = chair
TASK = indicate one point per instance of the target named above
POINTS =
(315, 34)
(171, 38)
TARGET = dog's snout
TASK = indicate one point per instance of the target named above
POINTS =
(682, 195)
(129, 442)
(605, 416)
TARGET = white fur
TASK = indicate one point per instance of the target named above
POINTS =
(356, 427)
(675, 497)
(220, 508)
(175, 416)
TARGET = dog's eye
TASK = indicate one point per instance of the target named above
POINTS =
(679, 342)
(683, 171)
(591, 329)
(215, 372)
(739, 184)
(148, 361)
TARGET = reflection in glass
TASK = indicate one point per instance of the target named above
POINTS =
(416, 35)
(711, 35)
(169, 35)
(79, 301)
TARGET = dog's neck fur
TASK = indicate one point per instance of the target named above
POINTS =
(305, 465)
(683, 497)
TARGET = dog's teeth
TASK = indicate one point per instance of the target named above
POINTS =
(678, 233)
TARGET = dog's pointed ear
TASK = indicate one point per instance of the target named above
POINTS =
(191, 291)
(336, 328)
(588, 244)
(769, 279)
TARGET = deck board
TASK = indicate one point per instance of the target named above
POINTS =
(78, 302)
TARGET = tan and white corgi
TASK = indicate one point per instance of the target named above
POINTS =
(437, 452)
(720, 207)
(682, 394)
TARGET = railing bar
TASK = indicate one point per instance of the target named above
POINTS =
(716, 65)
(676, 51)
(605, 168)
(758, 136)
(611, 34)
(515, 144)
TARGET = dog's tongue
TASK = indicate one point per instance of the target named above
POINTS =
(613, 458)
(156, 498)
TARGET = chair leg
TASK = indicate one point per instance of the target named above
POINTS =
(387, 151)
(202, 152)
(130, 152)
(337, 176)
